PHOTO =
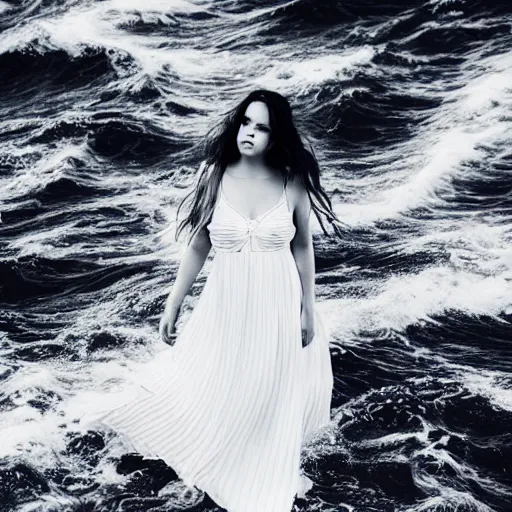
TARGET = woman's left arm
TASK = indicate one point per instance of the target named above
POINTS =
(303, 252)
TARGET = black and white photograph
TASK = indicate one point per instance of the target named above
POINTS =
(255, 256)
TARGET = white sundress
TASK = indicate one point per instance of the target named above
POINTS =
(232, 402)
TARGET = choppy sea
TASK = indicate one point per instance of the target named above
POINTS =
(409, 107)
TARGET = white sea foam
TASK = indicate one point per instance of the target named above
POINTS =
(4, 6)
(408, 299)
(473, 120)
(298, 76)
(493, 385)
(94, 26)
(48, 170)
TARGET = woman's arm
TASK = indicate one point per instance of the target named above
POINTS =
(302, 246)
(191, 264)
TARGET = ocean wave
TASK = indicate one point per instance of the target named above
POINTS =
(23, 70)
(32, 277)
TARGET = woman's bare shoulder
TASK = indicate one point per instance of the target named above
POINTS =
(295, 190)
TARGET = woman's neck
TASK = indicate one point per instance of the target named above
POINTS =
(251, 168)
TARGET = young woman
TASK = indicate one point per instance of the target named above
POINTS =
(248, 379)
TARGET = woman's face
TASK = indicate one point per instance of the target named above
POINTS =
(254, 133)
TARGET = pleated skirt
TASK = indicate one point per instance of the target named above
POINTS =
(230, 405)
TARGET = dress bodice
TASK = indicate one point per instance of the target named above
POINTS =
(231, 231)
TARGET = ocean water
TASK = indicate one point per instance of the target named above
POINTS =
(409, 108)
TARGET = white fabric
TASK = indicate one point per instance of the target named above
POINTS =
(232, 402)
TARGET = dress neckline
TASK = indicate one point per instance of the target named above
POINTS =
(259, 217)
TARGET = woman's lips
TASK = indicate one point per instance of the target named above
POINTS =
(248, 142)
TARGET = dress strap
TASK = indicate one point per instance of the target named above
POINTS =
(285, 196)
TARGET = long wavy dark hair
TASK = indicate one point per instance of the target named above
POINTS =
(286, 152)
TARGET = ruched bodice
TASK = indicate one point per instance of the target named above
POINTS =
(231, 231)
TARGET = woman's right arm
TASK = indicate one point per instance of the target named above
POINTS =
(191, 264)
